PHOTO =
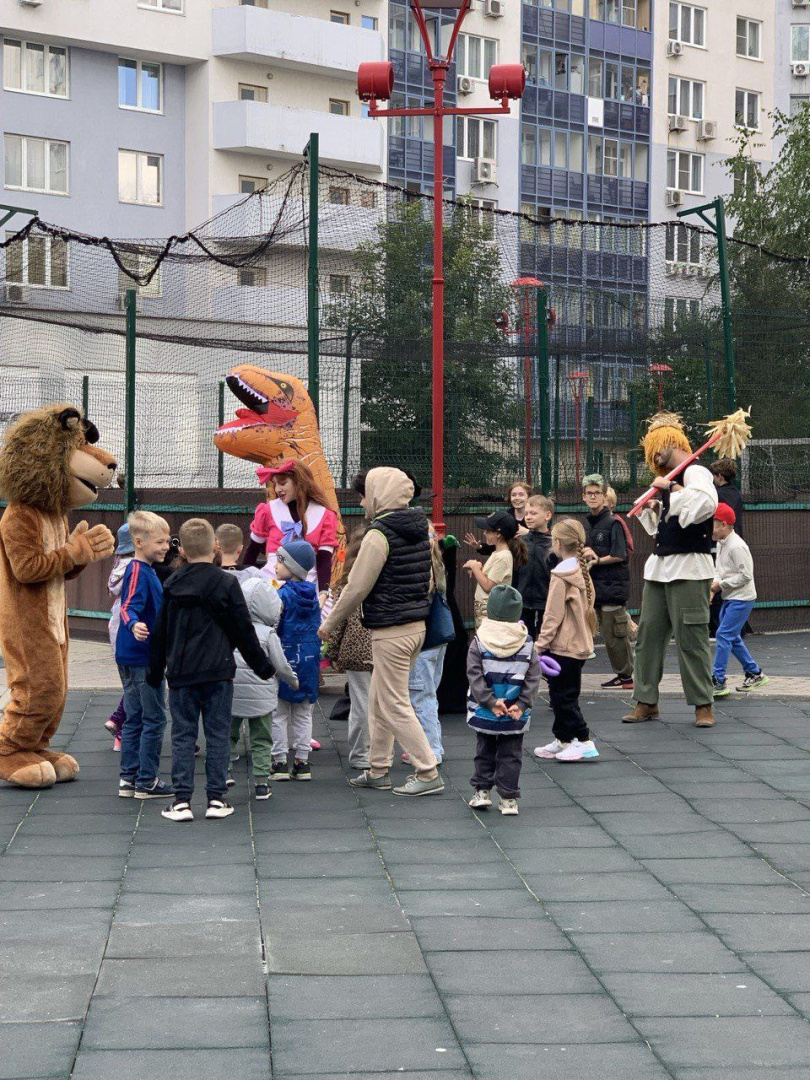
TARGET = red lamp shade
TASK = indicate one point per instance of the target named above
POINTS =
(507, 81)
(375, 80)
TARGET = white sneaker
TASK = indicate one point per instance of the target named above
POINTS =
(218, 808)
(179, 810)
(508, 807)
(579, 751)
(481, 800)
(551, 750)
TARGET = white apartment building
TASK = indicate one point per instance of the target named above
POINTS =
(792, 60)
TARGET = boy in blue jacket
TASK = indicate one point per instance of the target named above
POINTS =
(298, 632)
(141, 599)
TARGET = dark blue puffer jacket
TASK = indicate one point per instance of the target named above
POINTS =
(298, 631)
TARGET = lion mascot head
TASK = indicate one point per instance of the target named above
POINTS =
(49, 460)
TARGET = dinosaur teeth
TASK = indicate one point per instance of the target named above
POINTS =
(249, 390)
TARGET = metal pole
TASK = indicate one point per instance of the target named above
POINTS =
(709, 377)
(85, 395)
(633, 434)
(313, 313)
(221, 418)
(131, 325)
(439, 72)
(725, 297)
(525, 310)
(543, 391)
(589, 433)
(347, 387)
(577, 399)
(557, 424)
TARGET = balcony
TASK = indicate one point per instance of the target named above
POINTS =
(251, 127)
(293, 41)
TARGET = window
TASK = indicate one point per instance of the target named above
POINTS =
(800, 43)
(249, 184)
(248, 92)
(612, 81)
(642, 157)
(163, 5)
(576, 80)
(626, 12)
(797, 103)
(339, 196)
(38, 260)
(139, 264)
(749, 36)
(530, 61)
(476, 55)
(685, 98)
(339, 283)
(642, 86)
(338, 107)
(610, 157)
(476, 138)
(679, 308)
(339, 17)
(253, 3)
(528, 146)
(595, 69)
(682, 244)
(687, 24)
(369, 22)
(396, 30)
(561, 71)
(745, 178)
(33, 68)
(140, 177)
(368, 199)
(140, 85)
(36, 164)
(685, 171)
(746, 110)
(251, 276)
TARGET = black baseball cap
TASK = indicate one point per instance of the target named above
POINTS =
(501, 522)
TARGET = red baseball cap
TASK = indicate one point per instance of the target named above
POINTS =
(725, 513)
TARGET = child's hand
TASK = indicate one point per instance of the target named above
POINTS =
(715, 587)
(472, 540)
(140, 631)
(500, 707)
(515, 712)
(472, 565)
(322, 635)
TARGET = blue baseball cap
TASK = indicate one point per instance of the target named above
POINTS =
(125, 545)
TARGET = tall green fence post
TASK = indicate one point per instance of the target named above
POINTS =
(221, 421)
(543, 391)
(725, 297)
(709, 378)
(131, 339)
(313, 313)
(347, 388)
(85, 394)
(589, 434)
(556, 481)
(633, 408)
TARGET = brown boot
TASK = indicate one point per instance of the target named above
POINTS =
(703, 716)
(641, 713)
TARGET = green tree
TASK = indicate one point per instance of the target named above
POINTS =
(391, 303)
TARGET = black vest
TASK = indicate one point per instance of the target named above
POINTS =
(671, 539)
(401, 593)
(612, 582)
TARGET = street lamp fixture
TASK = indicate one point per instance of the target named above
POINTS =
(660, 373)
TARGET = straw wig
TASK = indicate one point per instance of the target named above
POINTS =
(664, 429)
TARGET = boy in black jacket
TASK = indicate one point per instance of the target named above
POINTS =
(204, 617)
(533, 578)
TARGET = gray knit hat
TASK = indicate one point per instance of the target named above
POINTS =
(505, 604)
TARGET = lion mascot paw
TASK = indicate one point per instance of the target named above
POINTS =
(49, 464)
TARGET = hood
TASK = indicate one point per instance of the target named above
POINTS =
(501, 638)
(193, 583)
(604, 512)
(387, 489)
(571, 572)
(116, 578)
(262, 600)
(302, 596)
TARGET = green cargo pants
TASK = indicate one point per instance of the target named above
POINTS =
(261, 741)
(680, 608)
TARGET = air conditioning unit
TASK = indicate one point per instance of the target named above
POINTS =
(17, 294)
(464, 84)
(122, 301)
(707, 129)
(31, 3)
(801, 71)
(674, 197)
(674, 48)
(485, 171)
(494, 8)
(801, 3)
(678, 123)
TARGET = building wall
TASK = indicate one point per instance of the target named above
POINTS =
(790, 90)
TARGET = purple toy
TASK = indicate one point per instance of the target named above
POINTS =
(549, 667)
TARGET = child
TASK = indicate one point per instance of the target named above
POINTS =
(500, 531)
(533, 578)
(123, 557)
(230, 542)
(298, 631)
(426, 673)
(734, 580)
(612, 499)
(350, 652)
(567, 635)
(256, 699)
(141, 600)
(504, 674)
(203, 619)
(606, 550)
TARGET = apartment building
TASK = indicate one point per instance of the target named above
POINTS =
(792, 55)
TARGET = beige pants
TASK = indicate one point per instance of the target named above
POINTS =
(390, 713)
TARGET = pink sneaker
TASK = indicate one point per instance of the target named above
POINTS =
(406, 759)
(314, 744)
(111, 726)
(117, 744)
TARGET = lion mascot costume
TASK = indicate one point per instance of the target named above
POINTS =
(48, 466)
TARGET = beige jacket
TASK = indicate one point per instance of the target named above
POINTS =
(565, 627)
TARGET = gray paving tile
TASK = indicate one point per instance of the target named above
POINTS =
(619, 825)
(550, 972)
(585, 1018)
(472, 876)
(246, 1064)
(166, 907)
(440, 933)
(579, 860)
(632, 918)
(62, 868)
(29, 1051)
(183, 1023)
(419, 852)
(286, 895)
(344, 954)
(752, 899)
(718, 844)
(326, 864)
(57, 895)
(313, 841)
(748, 871)
(152, 940)
(786, 972)
(348, 997)
(674, 994)
(778, 1041)
(42, 991)
(229, 976)
(611, 886)
(559, 1061)
(184, 880)
(768, 933)
(590, 836)
(684, 952)
(500, 903)
(382, 916)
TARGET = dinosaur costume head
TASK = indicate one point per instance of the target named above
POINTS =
(49, 460)
(664, 430)
(277, 423)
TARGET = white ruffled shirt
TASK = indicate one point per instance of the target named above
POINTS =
(695, 503)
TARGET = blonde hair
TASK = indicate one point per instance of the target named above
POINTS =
(143, 523)
(544, 502)
(230, 538)
(197, 538)
(611, 498)
(571, 536)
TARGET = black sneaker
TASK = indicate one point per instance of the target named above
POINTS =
(616, 683)
(180, 810)
(263, 792)
(218, 808)
(126, 789)
(279, 770)
(300, 770)
(159, 790)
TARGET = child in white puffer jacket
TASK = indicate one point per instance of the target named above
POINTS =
(124, 554)
(255, 699)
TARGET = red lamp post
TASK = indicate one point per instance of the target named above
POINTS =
(578, 379)
(526, 292)
(660, 372)
(375, 83)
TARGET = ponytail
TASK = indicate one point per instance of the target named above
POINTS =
(571, 535)
(520, 552)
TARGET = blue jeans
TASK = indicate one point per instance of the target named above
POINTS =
(142, 734)
(212, 701)
(733, 617)
(423, 684)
